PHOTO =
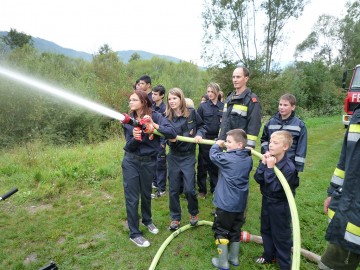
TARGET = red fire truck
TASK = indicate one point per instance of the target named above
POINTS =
(352, 98)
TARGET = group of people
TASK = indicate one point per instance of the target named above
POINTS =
(283, 143)
(234, 125)
(144, 162)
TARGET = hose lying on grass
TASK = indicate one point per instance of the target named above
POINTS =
(294, 214)
(246, 237)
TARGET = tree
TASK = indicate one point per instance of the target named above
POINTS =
(111, 77)
(323, 42)
(335, 41)
(231, 26)
(15, 39)
(229, 31)
(278, 12)
(135, 56)
(105, 49)
(349, 34)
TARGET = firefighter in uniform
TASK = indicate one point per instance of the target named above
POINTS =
(211, 112)
(181, 157)
(241, 109)
(285, 119)
(343, 205)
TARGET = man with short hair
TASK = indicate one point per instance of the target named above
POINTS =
(241, 109)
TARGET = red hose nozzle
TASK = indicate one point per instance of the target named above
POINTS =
(129, 120)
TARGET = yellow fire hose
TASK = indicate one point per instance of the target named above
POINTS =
(293, 210)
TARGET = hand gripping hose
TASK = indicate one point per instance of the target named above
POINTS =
(294, 214)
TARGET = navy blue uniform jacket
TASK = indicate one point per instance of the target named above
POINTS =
(297, 128)
(270, 185)
(211, 115)
(232, 188)
(188, 127)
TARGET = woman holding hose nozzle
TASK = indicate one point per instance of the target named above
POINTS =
(181, 157)
(139, 163)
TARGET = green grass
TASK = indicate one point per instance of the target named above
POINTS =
(70, 208)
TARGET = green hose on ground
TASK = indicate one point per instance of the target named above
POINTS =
(291, 200)
(171, 237)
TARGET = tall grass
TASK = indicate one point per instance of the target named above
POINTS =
(70, 208)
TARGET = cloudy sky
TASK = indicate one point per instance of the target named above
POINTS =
(165, 27)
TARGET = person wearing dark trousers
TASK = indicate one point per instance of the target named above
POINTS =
(211, 112)
(159, 183)
(139, 164)
(230, 197)
(342, 205)
(275, 212)
(181, 156)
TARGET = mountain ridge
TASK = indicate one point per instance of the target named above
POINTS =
(44, 45)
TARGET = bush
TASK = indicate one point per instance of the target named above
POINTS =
(27, 115)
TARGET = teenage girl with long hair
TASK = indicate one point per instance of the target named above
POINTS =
(181, 157)
(139, 164)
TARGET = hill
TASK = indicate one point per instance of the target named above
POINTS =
(48, 46)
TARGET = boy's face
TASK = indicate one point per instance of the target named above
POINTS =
(277, 146)
(142, 85)
(231, 144)
(156, 96)
(285, 108)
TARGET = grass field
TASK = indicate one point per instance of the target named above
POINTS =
(70, 208)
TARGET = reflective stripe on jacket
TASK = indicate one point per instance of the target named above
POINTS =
(344, 208)
(242, 111)
(297, 128)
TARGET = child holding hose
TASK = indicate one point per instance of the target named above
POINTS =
(139, 163)
(230, 196)
(181, 157)
(275, 211)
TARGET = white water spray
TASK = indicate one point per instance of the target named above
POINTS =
(61, 93)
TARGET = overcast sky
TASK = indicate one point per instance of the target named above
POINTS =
(165, 27)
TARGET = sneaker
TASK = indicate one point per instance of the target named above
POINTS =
(158, 194)
(193, 220)
(174, 225)
(152, 228)
(154, 195)
(153, 186)
(202, 195)
(261, 260)
(140, 241)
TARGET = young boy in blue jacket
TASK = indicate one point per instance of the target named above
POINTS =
(275, 211)
(230, 196)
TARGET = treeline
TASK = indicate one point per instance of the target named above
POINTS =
(27, 115)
